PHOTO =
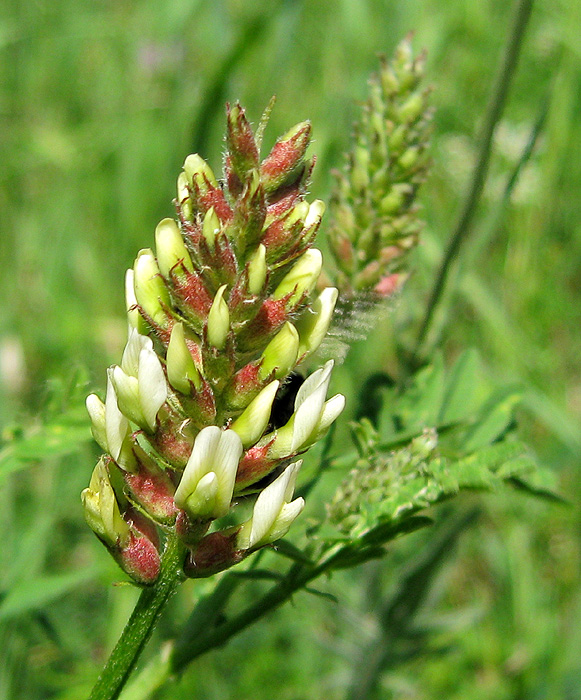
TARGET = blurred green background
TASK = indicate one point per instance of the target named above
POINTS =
(100, 101)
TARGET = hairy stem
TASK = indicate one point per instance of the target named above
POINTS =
(498, 99)
(140, 625)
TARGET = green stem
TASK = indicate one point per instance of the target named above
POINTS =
(140, 625)
(492, 116)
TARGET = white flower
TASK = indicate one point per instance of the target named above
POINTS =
(273, 513)
(139, 383)
(312, 416)
(206, 486)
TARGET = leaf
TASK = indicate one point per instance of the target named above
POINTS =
(463, 387)
(322, 594)
(40, 591)
(495, 417)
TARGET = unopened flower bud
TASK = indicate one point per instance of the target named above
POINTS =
(183, 197)
(315, 321)
(274, 512)
(171, 250)
(286, 156)
(210, 226)
(315, 214)
(96, 411)
(281, 353)
(205, 489)
(254, 419)
(257, 270)
(102, 510)
(181, 370)
(241, 142)
(218, 320)
(302, 277)
(134, 318)
(411, 109)
(150, 290)
(199, 172)
(409, 158)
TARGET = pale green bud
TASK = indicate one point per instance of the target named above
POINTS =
(96, 411)
(218, 320)
(411, 109)
(360, 170)
(184, 196)
(273, 513)
(206, 487)
(257, 270)
(150, 290)
(302, 277)
(299, 212)
(210, 226)
(314, 323)
(315, 213)
(101, 509)
(394, 199)
(197, 169)
(181, 369)
(253, 421)
(409, 158)
(170, 249)
(134, 318)
(280, 355)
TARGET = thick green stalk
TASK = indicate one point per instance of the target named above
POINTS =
(492, 116)
(140, 625)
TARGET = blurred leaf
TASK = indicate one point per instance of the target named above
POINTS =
(41, 591)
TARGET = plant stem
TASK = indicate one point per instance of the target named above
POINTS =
(140, 625)
(493, 114)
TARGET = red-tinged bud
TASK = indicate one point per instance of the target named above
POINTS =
(277, 209)
(207, 194)
(283, 232)
(242, 148)
(233, 182)
(269, 319)
(249, 214)
(140, 559)
(281, 166)
(243, 387)
(343, 251)
(225, 258)
(214, 553)
(390, 284)
(193, 297)
(254, 465)
(151, 487)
